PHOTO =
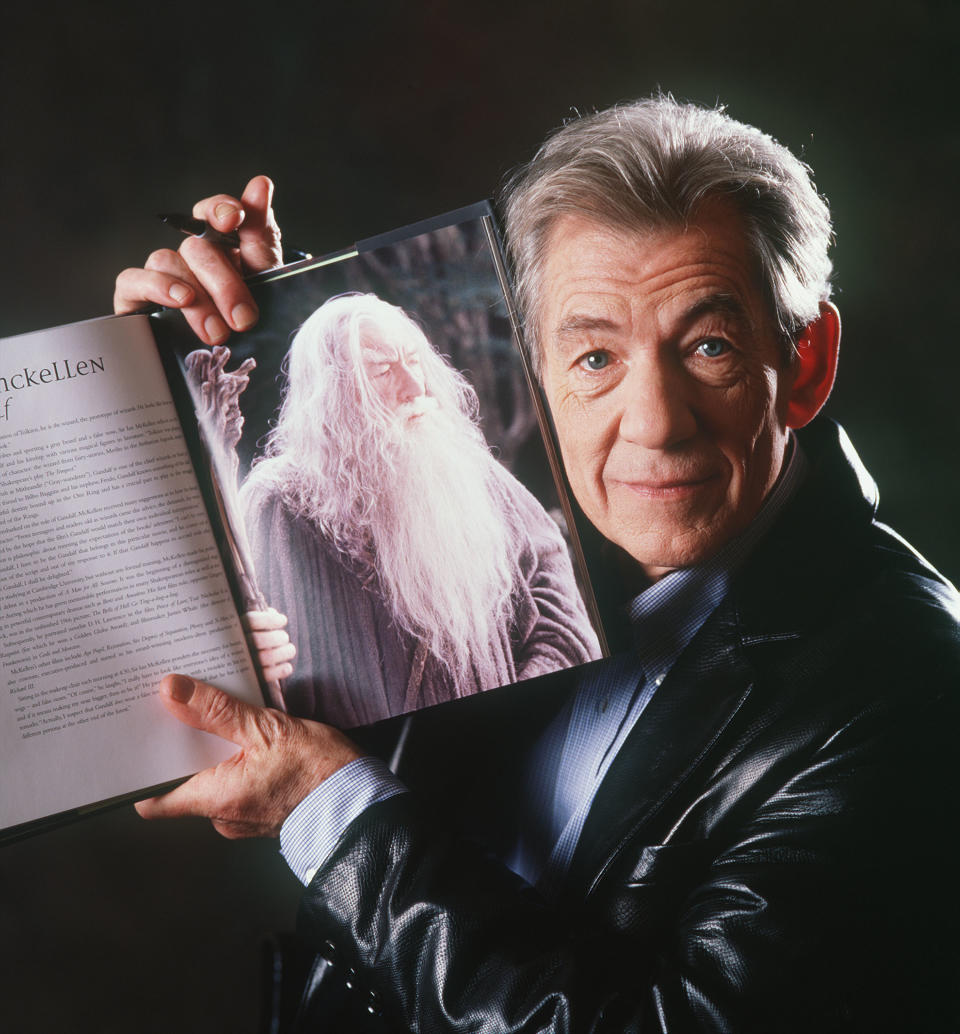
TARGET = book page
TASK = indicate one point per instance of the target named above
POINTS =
(111, 574)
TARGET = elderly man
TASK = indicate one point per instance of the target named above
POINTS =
(741, 823)
(412, 566)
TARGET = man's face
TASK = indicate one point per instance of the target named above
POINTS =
(666, 382)
(395, 375)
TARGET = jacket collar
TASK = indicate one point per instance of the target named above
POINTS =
(780, 590)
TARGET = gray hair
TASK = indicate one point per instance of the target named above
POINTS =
(650, 164)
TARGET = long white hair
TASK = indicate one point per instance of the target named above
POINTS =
(421, 501)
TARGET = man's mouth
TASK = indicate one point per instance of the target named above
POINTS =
(410, 412)
(663, 488)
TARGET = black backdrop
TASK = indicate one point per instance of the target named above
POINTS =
(370, 115)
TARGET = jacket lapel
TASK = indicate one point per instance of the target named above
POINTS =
(687, 715)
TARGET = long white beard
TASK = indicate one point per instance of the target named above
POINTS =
(441, 543)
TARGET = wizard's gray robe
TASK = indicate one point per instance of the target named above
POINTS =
(353, 665)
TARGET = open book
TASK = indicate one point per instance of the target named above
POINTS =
(372, 460)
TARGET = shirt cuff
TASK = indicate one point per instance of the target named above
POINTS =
(312, 829)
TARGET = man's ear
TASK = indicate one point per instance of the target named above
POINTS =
(814, 366)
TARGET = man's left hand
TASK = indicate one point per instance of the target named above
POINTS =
(280, 760)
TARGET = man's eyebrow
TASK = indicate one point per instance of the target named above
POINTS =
(718, 305)
(576, 322)
(376, 355)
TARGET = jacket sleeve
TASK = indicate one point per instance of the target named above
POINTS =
(444, 936)
(799, 911)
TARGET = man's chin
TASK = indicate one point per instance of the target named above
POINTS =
(669, 548)
(657, 562)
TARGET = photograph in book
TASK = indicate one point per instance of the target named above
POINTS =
(378, 458)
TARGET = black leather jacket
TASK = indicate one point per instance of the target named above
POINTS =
(771, 849)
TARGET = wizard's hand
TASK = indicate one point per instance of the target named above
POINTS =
(275, 650)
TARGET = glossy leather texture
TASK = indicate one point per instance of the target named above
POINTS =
(772, 849)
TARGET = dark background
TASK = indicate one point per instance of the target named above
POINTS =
(370, 115)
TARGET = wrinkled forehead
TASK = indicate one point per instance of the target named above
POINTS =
(375, 350)
(382, 344)
(604, 266)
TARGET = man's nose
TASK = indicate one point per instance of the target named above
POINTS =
(657, 413)
(409, 383)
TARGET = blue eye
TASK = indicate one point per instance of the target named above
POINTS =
(596, 360)
(713, 347)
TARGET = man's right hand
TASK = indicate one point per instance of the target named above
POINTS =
(203, 280)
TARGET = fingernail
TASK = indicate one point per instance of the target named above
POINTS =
(181, 688)
(215, 329)
(243, 316)
(179, 293)
(225, 210)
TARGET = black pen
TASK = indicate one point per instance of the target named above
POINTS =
(198, 228)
